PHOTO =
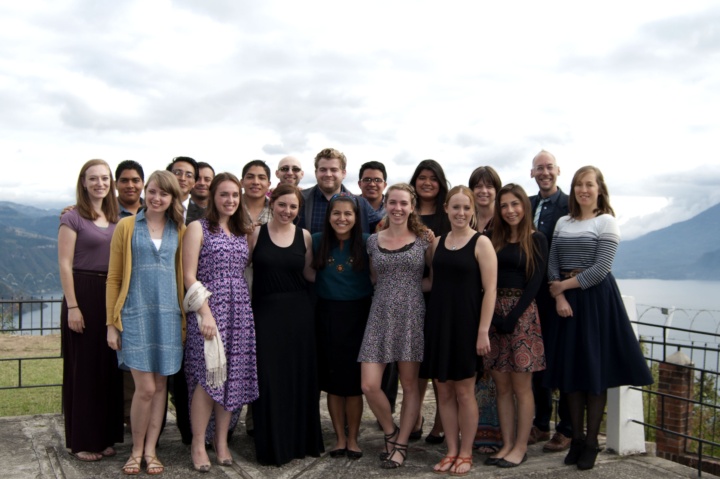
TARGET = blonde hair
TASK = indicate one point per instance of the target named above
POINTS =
(167, 182)
(464, 190)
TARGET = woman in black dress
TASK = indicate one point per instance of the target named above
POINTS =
(287, 413)
(431, 187)
(516, 341)
(456, 330)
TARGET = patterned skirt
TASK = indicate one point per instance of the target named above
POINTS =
(523, 350)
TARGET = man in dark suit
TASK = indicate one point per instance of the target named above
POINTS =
(548, 206)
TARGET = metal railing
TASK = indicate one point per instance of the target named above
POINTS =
(28, 317)
(660, 339)
(700, 341)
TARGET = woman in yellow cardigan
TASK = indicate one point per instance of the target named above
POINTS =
(145, 323)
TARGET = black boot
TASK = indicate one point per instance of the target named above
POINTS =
(576, 449)
(587, 458)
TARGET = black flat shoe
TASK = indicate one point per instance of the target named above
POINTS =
(505, 464)
(433, 439)
(354, 454)
(338, 452)
(417, 434)
(588, 457)
(492, 461)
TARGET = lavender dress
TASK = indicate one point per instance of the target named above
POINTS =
(220, 269)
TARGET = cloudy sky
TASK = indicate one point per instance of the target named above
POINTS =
(631, 87)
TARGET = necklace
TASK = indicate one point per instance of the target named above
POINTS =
(158, 227)
(452, 247)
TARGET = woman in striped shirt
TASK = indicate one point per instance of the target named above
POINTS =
(594, 346)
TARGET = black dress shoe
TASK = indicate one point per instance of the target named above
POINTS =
(354, 454)
(492, 461)
(338, 452)
(505, 464)
(433, 439)
(417, 434)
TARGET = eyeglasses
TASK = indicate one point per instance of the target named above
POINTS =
(372, 180)
(295, 169)
(181, 173)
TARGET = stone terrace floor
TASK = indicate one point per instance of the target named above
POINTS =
(32, 447)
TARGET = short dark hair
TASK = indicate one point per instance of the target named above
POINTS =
(129, 165)
(373, 165)
(202, 164)
(485, 175)
(252, 163)
(186, 159)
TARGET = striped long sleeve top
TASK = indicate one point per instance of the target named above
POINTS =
(587, 245)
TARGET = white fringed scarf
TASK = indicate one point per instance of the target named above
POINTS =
(215, 361)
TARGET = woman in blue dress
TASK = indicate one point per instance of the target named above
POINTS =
(594, 346)
(144, 317)
(344, 291)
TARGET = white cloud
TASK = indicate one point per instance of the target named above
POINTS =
(629, 87)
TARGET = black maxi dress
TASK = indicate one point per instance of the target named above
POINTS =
(287, 413)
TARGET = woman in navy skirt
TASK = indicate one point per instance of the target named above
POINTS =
(592, 346)
(344, 291)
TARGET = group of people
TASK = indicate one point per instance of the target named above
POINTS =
(245, 295)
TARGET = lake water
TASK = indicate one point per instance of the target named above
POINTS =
(696, 306)
(691, 305)
(679, 294)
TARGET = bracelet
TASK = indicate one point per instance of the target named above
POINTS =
(73, 307)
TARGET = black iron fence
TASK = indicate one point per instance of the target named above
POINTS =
(687, 412)
(27, 317)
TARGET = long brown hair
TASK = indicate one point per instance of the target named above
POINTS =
(414, 223)
(82, 199)
(502, 231)
(236, 222)
(167, 182)
(603, 201)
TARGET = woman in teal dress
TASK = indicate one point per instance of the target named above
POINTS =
(144, 318)
(344, 295)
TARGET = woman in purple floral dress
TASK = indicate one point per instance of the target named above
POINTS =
(215, 253)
